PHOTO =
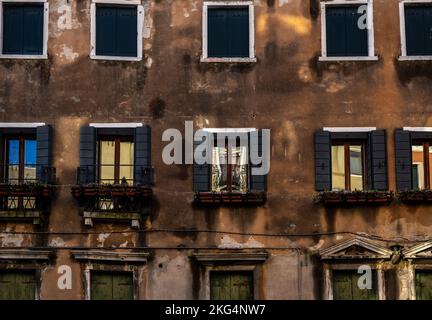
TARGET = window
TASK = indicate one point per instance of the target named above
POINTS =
(117, 30)
(17, 285)
(231, 285)
(229, 169)
(348, 166)
(421, 171)
(416, 24)
(228, 31)
(423, 285)
(345, 286)
(347, 30)
(24, 31)
(111, 285)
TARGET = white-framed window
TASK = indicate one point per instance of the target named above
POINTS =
(116, 30)
(24, 29)
(347, 31)
(415, 29)
(228, 31)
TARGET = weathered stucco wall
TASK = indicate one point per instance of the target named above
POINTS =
(287, 91)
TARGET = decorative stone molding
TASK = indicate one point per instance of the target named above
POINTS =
(25, 254)
(356, 248)
(110, 256)
(234, 256)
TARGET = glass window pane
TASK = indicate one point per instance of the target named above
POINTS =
(417, 167)
(13, 161)
(239, 169)
(338, 167)
(356, 167)
(219, 169)
(106, 161)
(30, 160)
(126, 161)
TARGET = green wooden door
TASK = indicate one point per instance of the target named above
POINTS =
(231, 285)
(345, 286)
(15, 285)
(111, 286)
(423, 285)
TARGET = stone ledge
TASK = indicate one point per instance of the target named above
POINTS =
(110, 256)
(25, 254)
(231, 256)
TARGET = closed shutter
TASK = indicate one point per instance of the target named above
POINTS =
(44, 153)
(122, 286)
(423, 284)
(111, 286)
(87, 172)
(17, 285)
(201, 172)
(23, 29)
(322, 161)
(228, 32)
(378, 162)
(231, 286)
(418, 32)
(343, 36)
(116, 30)
(403, 155)
(257, 183)
(345, 286)
(142, 161)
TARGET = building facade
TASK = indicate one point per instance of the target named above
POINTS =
(90, 209)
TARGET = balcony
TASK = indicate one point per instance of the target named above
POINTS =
(101, 196)
(26, 192)
(353, 198)
(230, 198)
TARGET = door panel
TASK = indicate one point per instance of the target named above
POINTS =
(345, 286)
(231, 285)
(423, 285)
(17, 285)
(111, 286)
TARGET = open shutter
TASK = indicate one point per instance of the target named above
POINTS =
(403, 155)
(378, 162)
(201, 173)
(322, 161)
(142, 153)
(87, 172)
(44, 154)
(257, 183)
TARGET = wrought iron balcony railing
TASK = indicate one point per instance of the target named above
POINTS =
(126, 175)
(27, 174)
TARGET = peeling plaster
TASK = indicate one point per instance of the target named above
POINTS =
(101, 238)
(56, 242)
(229, 243)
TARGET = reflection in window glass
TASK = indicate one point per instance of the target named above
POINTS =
(418, 167)
(126, 161)
(13, 161)
(338, 167)
(106, 161)
(356, 167)
(219, 168)
(30, 160)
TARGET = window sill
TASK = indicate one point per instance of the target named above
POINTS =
(328, 198)
(34, 215)
(24, 56)
(330, 59)
(229, 60)
(415, 196)
(114, 58)
(415, 58)
(107, 190)
(134, 218)
(230, 198)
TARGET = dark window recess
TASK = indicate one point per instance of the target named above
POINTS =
(423, 285)
(111, 286)
(350, 161)
(23, 29)
(345, 286)
(418, 30)
(17, 285)
(343, 35)
(231, 286)
(116, 31)
(228, 32)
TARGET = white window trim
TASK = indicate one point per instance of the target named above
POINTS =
(44, 54)
(418, 129)
(140, 24)
(404, 56)
(371, 38)
(350, 129)
(21, 124)
(205, 57)
(116, 125)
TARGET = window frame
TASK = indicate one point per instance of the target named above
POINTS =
(140, 25)
(425, 144)
(250, 5)
(404, 56)
(371, 38)
(44, 54)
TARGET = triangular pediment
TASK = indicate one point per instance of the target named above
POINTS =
(356, 248)
(423, 250)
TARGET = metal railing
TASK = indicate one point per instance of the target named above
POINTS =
(15, 174)
(128, 175)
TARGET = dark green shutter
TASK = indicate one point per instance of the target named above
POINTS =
(87, 172)
(201, 173)
(142, 154)
(228, 32)
(116, 30)
(257, 183)
(44, 153)
(423, 284)
(403, 154)
(23, 28)
(418, 29)
(345, 286)
(17, 285)
(231, 286)
(378, 162)
(343, 36)
(322, 161)
(111, 286)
